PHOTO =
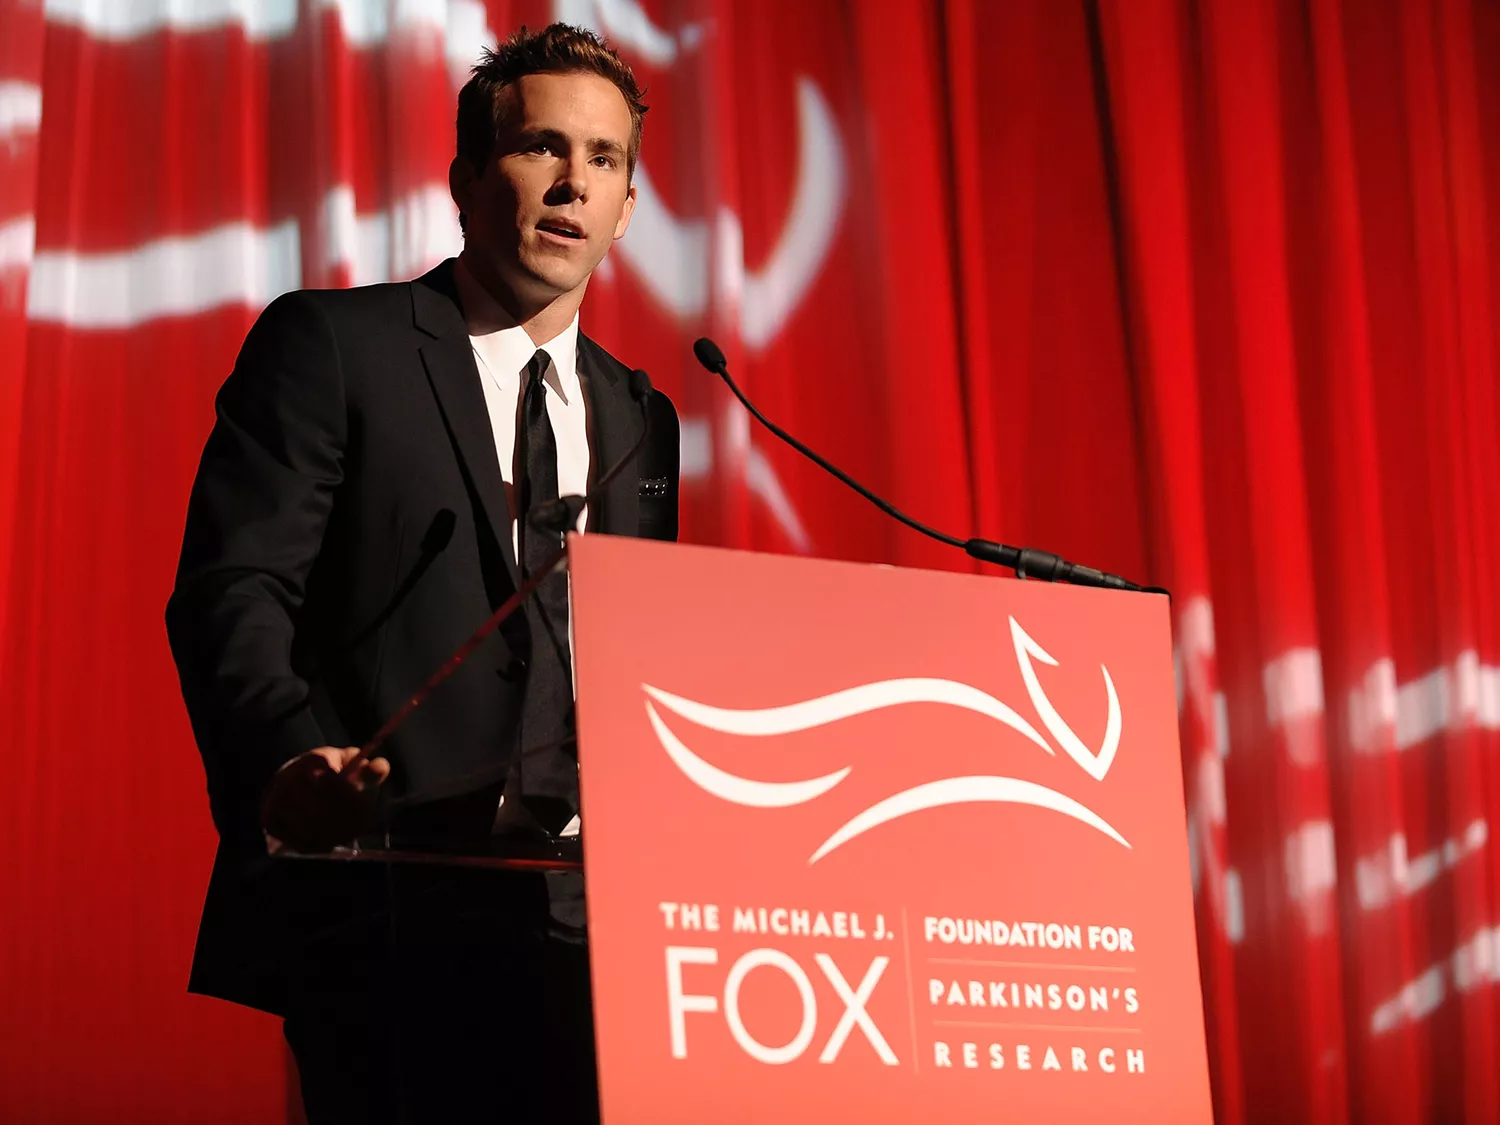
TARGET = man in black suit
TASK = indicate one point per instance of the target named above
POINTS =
(360, 508)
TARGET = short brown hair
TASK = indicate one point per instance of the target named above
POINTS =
(557, 49)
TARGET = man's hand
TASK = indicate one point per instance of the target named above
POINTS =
(322, 798)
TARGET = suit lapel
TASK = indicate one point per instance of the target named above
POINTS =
(614, 420)
(449, 360)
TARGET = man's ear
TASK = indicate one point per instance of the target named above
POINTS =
(461, 177)
(625, 214)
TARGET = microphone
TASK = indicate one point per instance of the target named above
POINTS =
(556, 516)
(561, 514)
(1027, 562)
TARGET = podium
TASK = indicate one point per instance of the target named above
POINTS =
(879, 845)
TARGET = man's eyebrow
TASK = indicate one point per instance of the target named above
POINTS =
(540, 134)
(606, 146)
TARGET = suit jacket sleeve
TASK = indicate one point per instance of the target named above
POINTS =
(255, 524)
(659, 469)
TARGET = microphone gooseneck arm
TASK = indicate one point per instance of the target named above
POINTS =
(716, 364)
(557, 516)
(1027, 562)
(459, 655)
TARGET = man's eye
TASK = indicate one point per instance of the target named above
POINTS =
(603, 162)
(540, 147)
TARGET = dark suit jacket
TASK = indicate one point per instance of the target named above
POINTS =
(347, 530)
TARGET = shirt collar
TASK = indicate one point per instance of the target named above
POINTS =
(506, 351)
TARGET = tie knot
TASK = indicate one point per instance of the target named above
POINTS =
(534, 394)
(536, 368)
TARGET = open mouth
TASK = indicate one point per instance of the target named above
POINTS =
(561, 230)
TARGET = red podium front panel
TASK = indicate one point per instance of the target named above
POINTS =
(879, 845)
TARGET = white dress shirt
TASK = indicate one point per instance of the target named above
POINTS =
(501, 356)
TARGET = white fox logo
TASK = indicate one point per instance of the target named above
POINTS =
(865, 698)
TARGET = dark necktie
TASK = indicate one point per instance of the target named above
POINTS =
(549, 763)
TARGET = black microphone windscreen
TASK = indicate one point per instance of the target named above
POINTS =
(439, 532)
(558, 515)
(640, 385)
(710, 355)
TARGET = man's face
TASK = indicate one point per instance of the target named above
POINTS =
(556, 192)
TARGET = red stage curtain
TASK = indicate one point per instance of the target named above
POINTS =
(1200, 293)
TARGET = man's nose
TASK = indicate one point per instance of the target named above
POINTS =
(574, 183)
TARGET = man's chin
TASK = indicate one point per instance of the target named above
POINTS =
(534, 279)
(554, 283)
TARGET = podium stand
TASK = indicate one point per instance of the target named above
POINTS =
(877, 845)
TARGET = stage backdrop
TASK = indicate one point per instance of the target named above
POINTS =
(1201, 293)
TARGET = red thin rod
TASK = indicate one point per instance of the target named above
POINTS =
(462, 653)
